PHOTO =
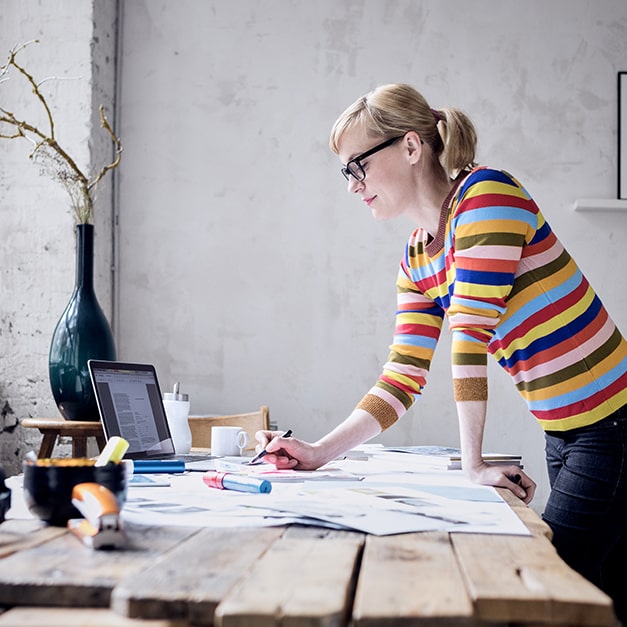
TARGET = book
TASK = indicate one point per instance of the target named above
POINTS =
(452, 457)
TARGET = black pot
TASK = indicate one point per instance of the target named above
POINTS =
(48, 488)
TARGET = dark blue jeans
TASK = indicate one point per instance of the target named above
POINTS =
(587, 506)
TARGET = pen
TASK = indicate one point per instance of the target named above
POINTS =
(515, 478)
(263, 453)
(240, 483)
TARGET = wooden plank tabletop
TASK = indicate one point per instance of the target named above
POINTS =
(64, 572)
(17, 535)
(414, 578)
(191, 579)
(532, 521)
(75, 617)
(294, 576)
(526, 581)
(305, 578)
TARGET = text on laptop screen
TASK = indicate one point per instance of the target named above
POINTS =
(132, 405)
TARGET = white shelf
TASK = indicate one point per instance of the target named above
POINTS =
(600, 204)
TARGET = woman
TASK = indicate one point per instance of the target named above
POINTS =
(484, 257)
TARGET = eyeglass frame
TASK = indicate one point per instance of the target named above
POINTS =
(347, 171)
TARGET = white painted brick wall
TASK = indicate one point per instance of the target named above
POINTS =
(77, 43)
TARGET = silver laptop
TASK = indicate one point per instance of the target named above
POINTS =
(130, 406)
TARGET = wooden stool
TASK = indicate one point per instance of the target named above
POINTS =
(54, 428)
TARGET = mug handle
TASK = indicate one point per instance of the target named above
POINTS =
(242, 440)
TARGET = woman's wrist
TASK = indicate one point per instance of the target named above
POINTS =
(325, 450)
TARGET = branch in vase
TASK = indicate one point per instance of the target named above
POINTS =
(54, 159)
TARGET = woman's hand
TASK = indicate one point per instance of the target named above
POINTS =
(359, 427)
(471, 416)
(510, 477)
(286, 453)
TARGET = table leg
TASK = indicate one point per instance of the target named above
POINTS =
(47, 444)
(101, 442)
(79, 446)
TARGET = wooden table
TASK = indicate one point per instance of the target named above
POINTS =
(54, 428)
(292, 576)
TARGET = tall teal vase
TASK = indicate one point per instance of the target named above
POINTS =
(82, 333)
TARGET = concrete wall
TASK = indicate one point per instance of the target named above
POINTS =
(249, 274)
(37, 252)
(244, 269)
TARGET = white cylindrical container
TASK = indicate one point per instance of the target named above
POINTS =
(176, 407)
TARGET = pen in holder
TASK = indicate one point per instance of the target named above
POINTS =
(176, 407)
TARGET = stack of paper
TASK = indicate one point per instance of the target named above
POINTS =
(451, 458)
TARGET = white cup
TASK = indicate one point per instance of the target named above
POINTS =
(228, 441)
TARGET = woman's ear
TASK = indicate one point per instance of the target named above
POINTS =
(414, 146)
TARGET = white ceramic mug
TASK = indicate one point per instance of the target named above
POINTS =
(228, 441)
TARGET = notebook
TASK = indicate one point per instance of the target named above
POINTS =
(130, 406)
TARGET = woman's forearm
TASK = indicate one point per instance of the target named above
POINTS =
(471, 415)
(359, 427)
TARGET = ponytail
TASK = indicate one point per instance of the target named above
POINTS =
(458, 141)
(395, 109)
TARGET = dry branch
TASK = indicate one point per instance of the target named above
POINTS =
(47, 151)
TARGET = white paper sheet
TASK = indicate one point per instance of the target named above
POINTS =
(389, 493)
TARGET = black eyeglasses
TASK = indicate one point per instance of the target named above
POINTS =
(355, 169)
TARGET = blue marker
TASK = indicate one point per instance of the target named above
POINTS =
(240, 483)
(146, 466)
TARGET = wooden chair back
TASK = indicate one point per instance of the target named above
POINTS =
(251, 422)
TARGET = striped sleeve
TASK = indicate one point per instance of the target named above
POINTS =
(492, 222)
(418, 326)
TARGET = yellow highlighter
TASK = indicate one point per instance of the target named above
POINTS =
(113, 451)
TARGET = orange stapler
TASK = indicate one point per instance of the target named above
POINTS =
(101, 528)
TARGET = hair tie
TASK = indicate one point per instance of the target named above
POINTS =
(436, 115)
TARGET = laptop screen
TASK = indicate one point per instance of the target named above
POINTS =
(130, 406)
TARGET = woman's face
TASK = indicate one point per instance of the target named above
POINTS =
(389, 182)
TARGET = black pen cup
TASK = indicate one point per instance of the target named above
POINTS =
(48, 485)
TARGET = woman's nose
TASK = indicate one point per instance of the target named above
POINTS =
(354, 185)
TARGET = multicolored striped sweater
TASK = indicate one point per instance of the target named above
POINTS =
(508, 288)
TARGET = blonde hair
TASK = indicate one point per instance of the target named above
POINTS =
(396, 109)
